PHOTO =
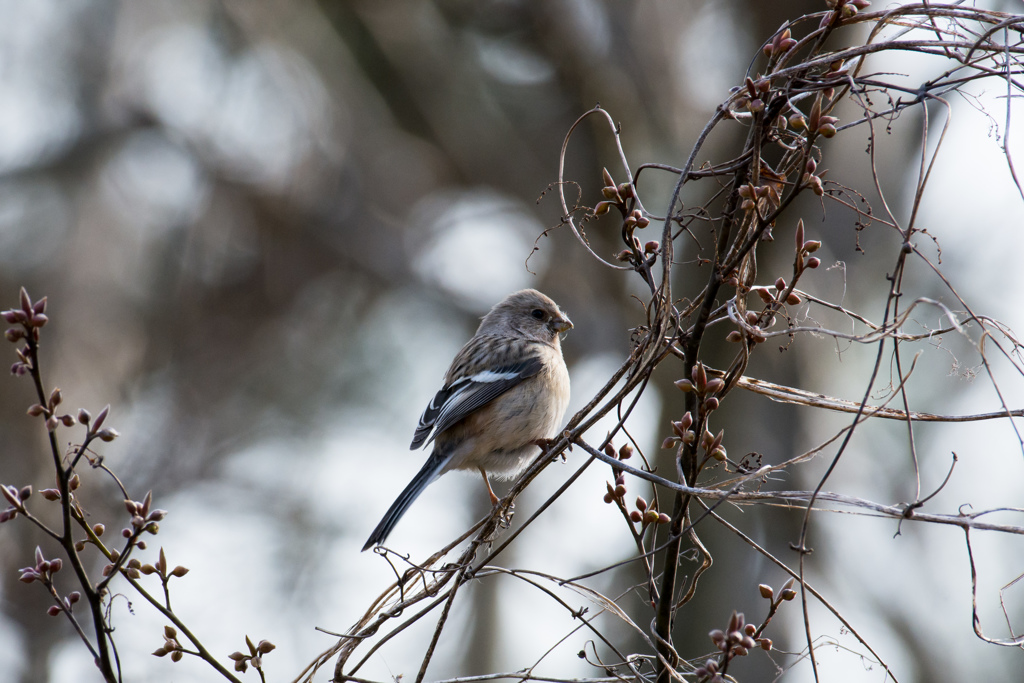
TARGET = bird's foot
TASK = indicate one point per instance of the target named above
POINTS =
(507, 512)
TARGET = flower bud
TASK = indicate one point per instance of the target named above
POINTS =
(734, 336)
(101, 417)
(700, 377)
(108, 435)
(606, 177)
(827, 130)
(813, 262)
(766, 591)
(685, 385)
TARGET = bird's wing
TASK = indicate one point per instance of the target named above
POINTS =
(459, 399)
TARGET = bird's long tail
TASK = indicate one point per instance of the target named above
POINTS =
(430, 471)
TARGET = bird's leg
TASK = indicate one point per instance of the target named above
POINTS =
(487, 483)
(506, 513)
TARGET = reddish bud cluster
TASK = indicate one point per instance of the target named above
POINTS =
(160, 569)
(171, 645)
(620, 196)
(143, 518)
(782, 43)
(42, 571)
(618, 491)
(645, 514)
(29, 317)
(255, 656)
(736, 641)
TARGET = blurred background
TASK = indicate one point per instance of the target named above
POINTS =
(265, 227)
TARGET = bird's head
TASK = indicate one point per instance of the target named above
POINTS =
(526, 313)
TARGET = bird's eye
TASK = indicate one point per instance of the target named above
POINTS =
(538, 314)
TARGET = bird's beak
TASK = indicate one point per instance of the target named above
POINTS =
(561, 324)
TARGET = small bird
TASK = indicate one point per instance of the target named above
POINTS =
(503, 397)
